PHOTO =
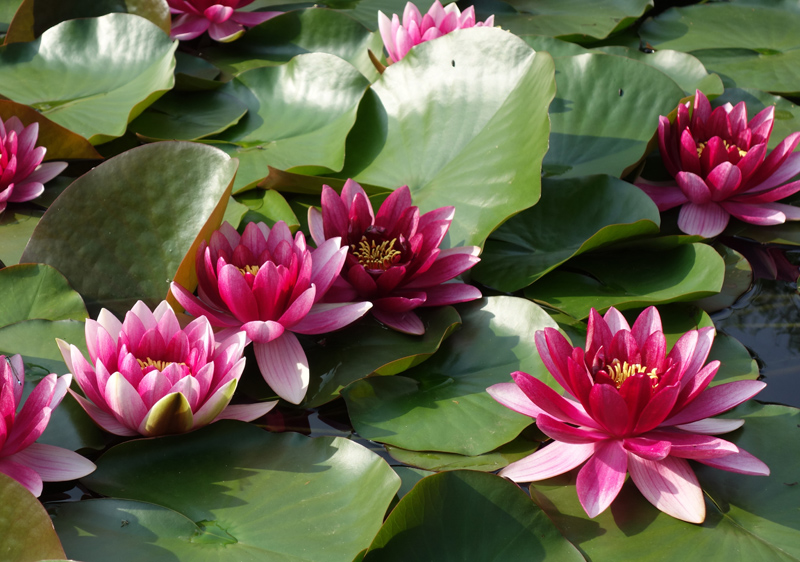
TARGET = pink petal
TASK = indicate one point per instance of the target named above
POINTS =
(551, 460)
(741, 462)
(608, 408)
(225, 31)
(124, 401)
(22, 474)
(326, 264)
(262, 332)
(315, 226)
(716, 400)
(450, 293)
(601, 479)
(560, 431)
(385, 27)
(711, 426)
(237, 294)
(284, 366)
(328, 317)
(54, 464)
(665, 196)
(551, 402)
(246, 412)
(103, 419)
(298, 309)
(650, 449)
(511, 396)
(670, 485)
(251, 19)
(707, 220)
(723, 181)
(789, 169)
(761, 214)
(694, 188)
(407, 322)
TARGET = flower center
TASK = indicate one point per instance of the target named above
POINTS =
(376, 256)
(728, 146)
(159, 365)
(620, 372)
(251, 269)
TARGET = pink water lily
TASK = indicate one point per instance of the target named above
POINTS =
(417, 28)
(632, 408)
(221, 18)
(22, 174)
(721, 168)
(147, 376)
(23, 460)
(393, 258)
(270, 286)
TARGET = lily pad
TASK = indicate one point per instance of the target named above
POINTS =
(267, 206)
(442, 404)
(635, 279)
(444, 518)
(368, 347)
(124, 230)
(559, 227)
(118, 65)
(738, 279)
(32, 291)
(259, 494)
(601, 123)
(463, 114)
(748, 517)
(16, 227)
(27, 532)
(299, 114)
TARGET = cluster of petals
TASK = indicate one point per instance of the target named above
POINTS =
(417, 28)
(721, 168)
(22, 174)
(393, 258)
(631, 408)
(269, 285)
(22, 459)
(221, 18)
(147, 376)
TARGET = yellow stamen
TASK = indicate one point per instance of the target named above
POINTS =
(375, 256)
(251, 269)
(159, 365)
(620, 372)
(702, 145)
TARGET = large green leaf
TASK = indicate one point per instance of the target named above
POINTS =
(32, 291)
(739, 42)
(260, 494)
(457, 516)
(299, 114)
(267, 206)
(120, 232)
(117, 65)
(582, 18)
(314, 30)
(366, 11)
(16, 228)
(368, 347)
(632, 279)
(442, 404)
(748, 517)
(34, 17)
(573, 217)
(464, 114)
(26, 529)
(605, 112)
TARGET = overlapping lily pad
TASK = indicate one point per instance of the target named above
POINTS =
(445, 518)
(16, 227)
(136, 228)
(260, 495)
(118, 65)
(442, 404)
(485, 143)
(752, 517)
(539, 239)
(27, 532)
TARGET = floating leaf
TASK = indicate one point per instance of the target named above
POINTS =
(26, 529)
(268, 206)
(16, 228)
(37, 291)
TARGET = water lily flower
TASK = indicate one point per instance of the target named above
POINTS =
(23, 460)
(22, 174)
(721, 168)
(147, 376)
(417, 29)
(393, 258)
(270, 286)
(221, 18)
(633, 409)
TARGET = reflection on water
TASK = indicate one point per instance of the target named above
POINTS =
(767, 321)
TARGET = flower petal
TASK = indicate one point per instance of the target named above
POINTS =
(670, 485)
(327, 317)
(601, 479)
(54, 464)
(716, 400)
(284, 366)
(551, 460)
(741, 462)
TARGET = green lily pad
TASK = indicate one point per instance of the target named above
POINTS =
(26, 529)
(124, 230)
(368, 347)
(634, 279)
(195, 73)
(259, 494)
(736, 41)
(408, 479)
(559, 227)
(556, 47)
(748, 517)
(299, 114)
(188, 116)
(34, 17)
(16, 227)
(444, 518)
(37, 291)
(442, 404)
(118, 65)
(601, 123)
(267, 206)
(463, 114)
(582, 19)
(366, 11)
(738, 279)
(314, 30)
(7, 10)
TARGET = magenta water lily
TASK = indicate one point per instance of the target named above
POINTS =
(416, 28)
(393, 258)
(632, 408)
(22, 173)
(721, 167)
(147, 376)
(223, 19)
(270, 285)
(22, 459)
